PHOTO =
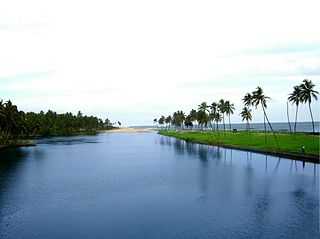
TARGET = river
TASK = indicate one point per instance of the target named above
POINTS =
(143, 185)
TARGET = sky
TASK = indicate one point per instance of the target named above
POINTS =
(136, 60)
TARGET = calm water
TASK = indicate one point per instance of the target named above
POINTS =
(148, 186)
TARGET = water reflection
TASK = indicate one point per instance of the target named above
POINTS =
(197, 191)
(203, 152)
(11, 162)
(206, 153)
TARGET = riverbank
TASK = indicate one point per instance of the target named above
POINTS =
(290, 146)
(18, 143)
(15, 143)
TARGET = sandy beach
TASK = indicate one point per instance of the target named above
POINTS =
(131, 130)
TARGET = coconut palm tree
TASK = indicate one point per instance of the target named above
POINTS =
(229, 109)
(161, 120)
(168, 121)
(295, 98)
(203, 107)
(202, 116)
(288, 117)
(222, 110)
(307, 94)
(246, 116)
(188, 121)
(213, 109)
(247, 99)
(178, 118)
(217, 118)
(193, 116)
(155, 121)
(258, 98)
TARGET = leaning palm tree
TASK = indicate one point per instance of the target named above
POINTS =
(246, 116)
(295, 98)
(229, 109)
(258, 98)
(307, 94)
(288, 117)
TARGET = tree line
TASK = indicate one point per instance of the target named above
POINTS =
(15, 123)
(211, 115)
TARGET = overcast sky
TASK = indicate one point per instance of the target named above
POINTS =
(135, 60)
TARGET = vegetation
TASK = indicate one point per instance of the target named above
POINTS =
(213, 114)
(253, 141)
(303, 93)
(15, 124)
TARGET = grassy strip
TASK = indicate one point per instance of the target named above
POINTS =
(288, 143)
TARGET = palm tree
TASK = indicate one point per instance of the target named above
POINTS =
(258, 98)
(168, 121)
(229, 109)
(161, 121)
(202, 114)
(178, 118)
(222, 109)
(307, 94)
(288, 117)
(295, 98)
(246, 116)
(217, 118)
(203, 106)
(247, 99)
(10, 113)
(155, 121)
(188, 121)
(213, 109)
(193, 116)
(202, 118)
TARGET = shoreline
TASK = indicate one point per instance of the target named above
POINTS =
(289, 155)
(130, 130)
(18, 144)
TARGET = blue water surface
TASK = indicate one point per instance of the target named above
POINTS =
(143, 185)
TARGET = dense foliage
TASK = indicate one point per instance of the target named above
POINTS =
(19, 124)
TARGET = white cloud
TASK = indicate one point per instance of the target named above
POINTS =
(136, 59)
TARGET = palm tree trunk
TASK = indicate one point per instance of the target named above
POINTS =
(288, 117)
(311, 117)
(295, 122)
(229, 123)
(224, 125)
(274, 135)
(265, 129)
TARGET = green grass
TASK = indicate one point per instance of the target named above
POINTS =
(288, 143)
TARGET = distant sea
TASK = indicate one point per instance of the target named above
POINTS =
(279, 126)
